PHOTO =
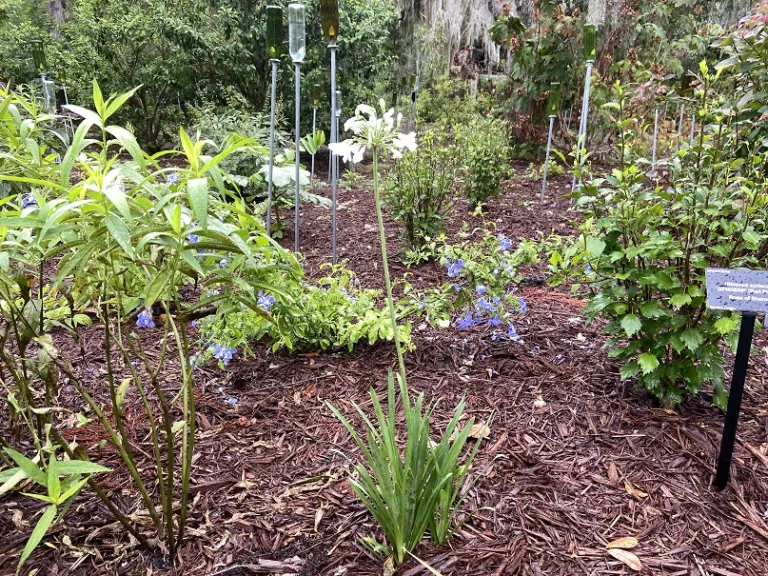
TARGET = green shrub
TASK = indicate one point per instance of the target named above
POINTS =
(420, 188)
(446, 99)
(535, 172)
(335, 313)
(644, 249)
(486, 157)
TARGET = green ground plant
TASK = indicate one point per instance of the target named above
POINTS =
(485, 158)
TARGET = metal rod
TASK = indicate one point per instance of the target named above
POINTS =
(582, 138)
(334, 136)
(314, 129)
(271, 147)
(693, 128)
(546, 159)
(680, 125)
(66, 103)
(734, 399)
(655, 136)
(296, 199)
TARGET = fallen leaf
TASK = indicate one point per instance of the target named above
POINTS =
(634, 491)
(626, 542)
(539, 402)
(389, 566)
(479, 431)
(627, 558)
(613, 473)
(318, 517)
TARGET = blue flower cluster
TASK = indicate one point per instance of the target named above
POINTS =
(28, 201)
(144, 320)
(222, 353)
(504, 242)
(265, 301)
(193, 238)
(172, 177)
(454, 267)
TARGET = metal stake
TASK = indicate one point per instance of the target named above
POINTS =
(734, 399)
(546, 160)
(334, 136)
(680, 125)
(693, 128)
(296, 199)
(655, 135)
(582, 138)
(314, 129)
(271, 146)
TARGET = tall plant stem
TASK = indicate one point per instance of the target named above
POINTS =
(385, 264)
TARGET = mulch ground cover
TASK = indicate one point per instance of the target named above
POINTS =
(574, 460)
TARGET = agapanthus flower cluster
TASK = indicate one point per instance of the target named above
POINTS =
(144, 319)
(372, 131)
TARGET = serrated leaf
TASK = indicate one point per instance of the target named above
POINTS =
(725, 325)
(629, 370)
(631, 325)
(626, 557)
(648, 362)
(679, 300)
(692, 338)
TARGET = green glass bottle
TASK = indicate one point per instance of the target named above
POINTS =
(316, 92)
(38, 56)
(553, 104)
(274, 32)
(329, 12)
(590, 42)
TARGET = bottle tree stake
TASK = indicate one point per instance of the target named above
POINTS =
(553, 104)
(297, 48)
(414, 96)
(590, 53)
(274, 50)
(329, 12)
(336, 117)
(655, 137)
(315, 102)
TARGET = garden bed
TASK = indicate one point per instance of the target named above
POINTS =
(574, 458)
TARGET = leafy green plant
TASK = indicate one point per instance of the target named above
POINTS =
(121, 241)
(334, 313)
(486, 157)
(418, 489)
(420, 188)
(60, 493)
(535, 172)
(643, 251)
(405, 492)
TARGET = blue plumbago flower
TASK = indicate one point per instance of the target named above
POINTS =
(466, 321)
(494, 321)
(172, 177)
(224, 263)
(144, 320)
(480, 289)
(28, 201)
(512, 332)
(193, 238)
(232, 401)
(223, 353)
(504, 242)
(587, 269)
(454, 267)
(523, 306)
(483, 306)
(356, 282)
(193, 323)
(265, 301)
(456, 287)
(495, 336)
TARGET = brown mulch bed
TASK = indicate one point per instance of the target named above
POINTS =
(574, 459)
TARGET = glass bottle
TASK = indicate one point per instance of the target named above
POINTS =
(329, 12)
(274, 31)
(297, 42)
(553, 104)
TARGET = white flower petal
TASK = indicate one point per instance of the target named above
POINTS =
(407, 141)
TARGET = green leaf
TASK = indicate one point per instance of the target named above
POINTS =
(118, 198)
(692, 338)
(648, 362)
(725, 325)
(595, 246)
(155, 289)
(121, 391)
(31, 469)
(679, 300)
(197, 190)
(68, 467)
(98, 100)
(631, 325)
(54, 486)
(750, 236)
(118, 102)
(37, 534)
(651, 309)
(119, 231)
(629, 370)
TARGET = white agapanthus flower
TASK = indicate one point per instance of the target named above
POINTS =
(371, 131)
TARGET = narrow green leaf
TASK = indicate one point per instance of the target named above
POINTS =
(197, 190)
(31, 469)
(38, 533)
